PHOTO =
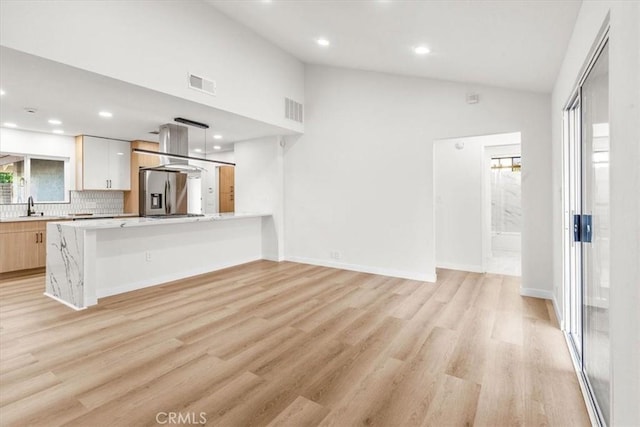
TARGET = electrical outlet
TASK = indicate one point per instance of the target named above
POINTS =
(147, 256)
(335, 255)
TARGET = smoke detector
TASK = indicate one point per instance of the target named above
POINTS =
(473, 98)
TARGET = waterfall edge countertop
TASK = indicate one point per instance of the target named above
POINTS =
(88, 260)
(147, 221)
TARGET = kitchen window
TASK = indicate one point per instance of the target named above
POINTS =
(44, 178)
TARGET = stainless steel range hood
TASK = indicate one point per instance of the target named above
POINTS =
(174, 139)
(174, 150)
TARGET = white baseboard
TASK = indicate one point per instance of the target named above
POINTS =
(411, 275)
(53, 297)
(536, 293)
(461, 267)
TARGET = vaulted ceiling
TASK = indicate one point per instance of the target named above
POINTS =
(509, 43)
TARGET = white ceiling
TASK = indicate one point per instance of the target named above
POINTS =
(75, 97)
(515, 44)
(508, 43)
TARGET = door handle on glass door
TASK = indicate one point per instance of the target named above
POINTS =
(576, 228)
(587, 228)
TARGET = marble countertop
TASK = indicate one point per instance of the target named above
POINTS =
(146, 221)
(65, 217)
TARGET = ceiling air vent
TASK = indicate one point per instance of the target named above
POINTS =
(293, 110)
(202, 84)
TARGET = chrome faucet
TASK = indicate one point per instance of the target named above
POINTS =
(31, 210)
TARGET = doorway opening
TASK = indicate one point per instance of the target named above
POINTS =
(470, 235)
(503, 255)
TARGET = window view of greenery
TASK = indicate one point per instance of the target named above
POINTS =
(6, 179)
(24, 176)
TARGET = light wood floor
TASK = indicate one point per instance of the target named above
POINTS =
(289, 345)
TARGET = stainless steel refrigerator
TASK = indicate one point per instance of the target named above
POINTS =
(163, 193)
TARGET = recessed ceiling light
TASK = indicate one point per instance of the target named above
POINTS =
(105, 114)
(323, 42)
(2, 92)
(120, 154)
(198, 150)
(55, 122)
(421, 50)
(217, 136)
(10, 125)
(216, 147)
(58, 131)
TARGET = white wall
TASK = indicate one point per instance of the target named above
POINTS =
(155, 44)
(624, 87)
(259, 188)
(360, 180)
(462, 223)
(41, 144)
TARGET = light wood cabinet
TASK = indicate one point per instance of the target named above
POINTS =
(226, 189)
(102, 164)
(138, 160)
(23, 245)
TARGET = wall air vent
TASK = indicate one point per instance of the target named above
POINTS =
(293, 110)
(202, 84)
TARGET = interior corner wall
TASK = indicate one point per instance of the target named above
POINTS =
(155, 44)
(359, 182)
(624, 118)
(458, 204)
(259, 188)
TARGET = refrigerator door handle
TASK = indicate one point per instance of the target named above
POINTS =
(167, 191)
(166, 201)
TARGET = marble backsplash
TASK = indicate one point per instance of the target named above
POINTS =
(96, 202)
(506, 193)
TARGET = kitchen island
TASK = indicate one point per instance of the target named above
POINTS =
(87, 260)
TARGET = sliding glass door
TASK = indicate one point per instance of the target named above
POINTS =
(596, 230)
(587, 130)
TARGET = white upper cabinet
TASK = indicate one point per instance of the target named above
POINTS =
(120, 165)
(103, 164)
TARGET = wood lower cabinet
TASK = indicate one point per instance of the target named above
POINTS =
(226, 189)
(23, 245)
